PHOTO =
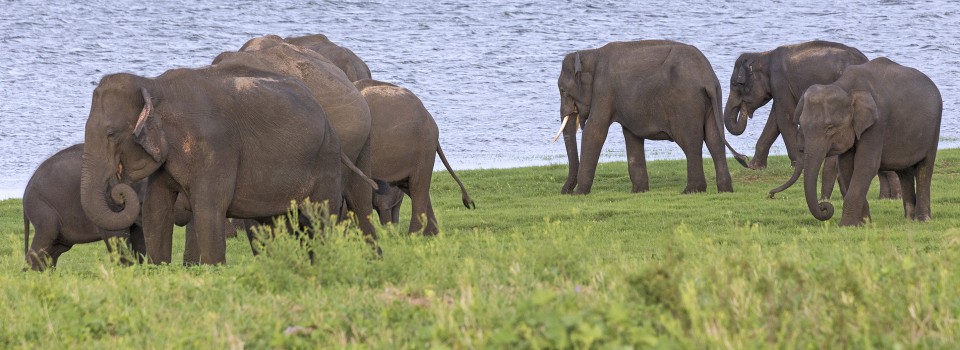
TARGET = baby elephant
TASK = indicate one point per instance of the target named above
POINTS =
(405, 141)
(52, 203)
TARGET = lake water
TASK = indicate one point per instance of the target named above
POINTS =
(487, 71)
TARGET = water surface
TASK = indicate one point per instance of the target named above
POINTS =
(486, 71)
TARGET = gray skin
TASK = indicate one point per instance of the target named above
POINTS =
(236, 142)
(51, 202)
(343, 104)
(405, 141)
(782, 75)
(656, 90)
(342, 57)
(388, 205)
(876, 116)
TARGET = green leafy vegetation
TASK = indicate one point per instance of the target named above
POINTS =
(530, 268)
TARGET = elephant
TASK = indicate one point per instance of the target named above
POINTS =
(405, 142)
(656, 90)
(342, 57)
(782, 75)
(877, 116)
(235, 141)
(345, 108)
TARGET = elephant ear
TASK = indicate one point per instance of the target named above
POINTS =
(148, 132)
(864, 109)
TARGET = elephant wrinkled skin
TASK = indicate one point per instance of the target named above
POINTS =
(656, 90)
(344, 58)
(876, 116)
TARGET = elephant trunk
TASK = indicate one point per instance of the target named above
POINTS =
(573, 159)
(735, 116)
(93, 198)
(797, 169)
(821, 210)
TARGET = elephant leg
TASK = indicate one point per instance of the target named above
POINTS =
(788, 130)
(395, 212)
(767, 137)
(908, 192)
(191, 249)
(844, 172)
(889, 185)
(829, 176)
(207, 226)
(46, 227)
(855, 207)
(636, 162)
(594, 136)
(692, 146)
(137, 244)
(422, 209)
(56, 251)
(116, 242)
(359, 195)
(718, 153)
(158, 217)
(924, 178)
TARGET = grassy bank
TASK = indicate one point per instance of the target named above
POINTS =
(530, 268)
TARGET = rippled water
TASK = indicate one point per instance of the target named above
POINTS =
(487, 71)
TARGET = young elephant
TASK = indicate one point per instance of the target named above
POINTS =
(405, 142)
(51, 202)
(876, 116)
(782, 75)
(656, 90)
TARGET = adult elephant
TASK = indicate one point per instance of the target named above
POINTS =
(405, 141)
(876, 116)
(782, 75)
(344, 58)
(656, 90)
(235, 141)
(344, 106)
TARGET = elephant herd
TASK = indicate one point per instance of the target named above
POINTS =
(279, 121)
(294, 119)
(835, 110)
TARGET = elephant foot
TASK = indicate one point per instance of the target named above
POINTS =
(757, 164)
(923, 218)
(889, 195)
(640, 189)
(696, 189)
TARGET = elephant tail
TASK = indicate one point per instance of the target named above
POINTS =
(715, 96)
(467, 201)
(379, 186)
(26, 235)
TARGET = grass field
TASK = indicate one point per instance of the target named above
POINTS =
(530, 268)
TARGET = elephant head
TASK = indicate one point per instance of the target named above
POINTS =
(576, 95)
(749, 90)
(123, 140)
(831, 121)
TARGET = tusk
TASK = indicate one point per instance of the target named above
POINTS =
(119, 172)
(562, 125)
(578, 124)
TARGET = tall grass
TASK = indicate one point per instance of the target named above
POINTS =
(530, 268)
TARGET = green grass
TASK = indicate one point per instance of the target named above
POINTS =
(530, 268)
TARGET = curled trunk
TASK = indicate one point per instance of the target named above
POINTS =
(734, 117)
(93, 189)
(823, 211)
